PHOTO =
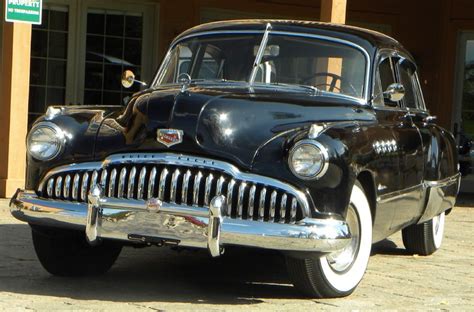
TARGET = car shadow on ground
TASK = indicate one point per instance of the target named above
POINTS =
(465, 200)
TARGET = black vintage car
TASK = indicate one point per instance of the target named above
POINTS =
(307, 138)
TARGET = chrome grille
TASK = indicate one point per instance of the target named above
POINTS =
(183, 184)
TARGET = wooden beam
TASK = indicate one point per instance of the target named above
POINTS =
(14, 92)
(333, 11)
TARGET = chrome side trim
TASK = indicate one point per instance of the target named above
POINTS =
(441, 183)
(182, 160)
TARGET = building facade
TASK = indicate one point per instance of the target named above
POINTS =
(76, 56)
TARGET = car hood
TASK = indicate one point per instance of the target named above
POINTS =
(225, 123)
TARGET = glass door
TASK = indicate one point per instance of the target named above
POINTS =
(51, 56)
(82, 47)
(464, 109)
(116, 39)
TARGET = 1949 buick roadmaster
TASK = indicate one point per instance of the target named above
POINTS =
(307, 138)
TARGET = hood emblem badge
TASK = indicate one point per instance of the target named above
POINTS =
(169, 137)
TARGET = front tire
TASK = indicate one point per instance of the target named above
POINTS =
(67, 253)
(425, 238)
(339, 273)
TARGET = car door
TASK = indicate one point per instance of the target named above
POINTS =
(386, 163)
(411, 139)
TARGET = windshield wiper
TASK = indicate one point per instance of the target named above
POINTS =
(259, 56)
(313, 89)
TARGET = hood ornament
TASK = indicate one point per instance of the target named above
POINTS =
(169, 137)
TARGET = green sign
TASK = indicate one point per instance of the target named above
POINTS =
(23, 11)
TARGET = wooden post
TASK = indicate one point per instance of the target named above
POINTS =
(332, 11)
(14, 91)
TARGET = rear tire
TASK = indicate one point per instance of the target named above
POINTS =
(338, 274)
(425, 238)
(67, 253)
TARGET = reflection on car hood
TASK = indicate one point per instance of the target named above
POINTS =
(225, 123)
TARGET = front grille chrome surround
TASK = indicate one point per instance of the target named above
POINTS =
(179, 179)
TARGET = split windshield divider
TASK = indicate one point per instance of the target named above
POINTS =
(259, 56)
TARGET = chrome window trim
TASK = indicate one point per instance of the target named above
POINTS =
(160, 73)
(182, 160)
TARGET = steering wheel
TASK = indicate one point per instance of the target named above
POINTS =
(332, 84)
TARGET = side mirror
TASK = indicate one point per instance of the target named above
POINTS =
(395, 92)
(128, 79)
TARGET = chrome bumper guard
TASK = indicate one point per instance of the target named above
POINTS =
(156, 222)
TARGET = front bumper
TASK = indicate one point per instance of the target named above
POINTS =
(156, 222)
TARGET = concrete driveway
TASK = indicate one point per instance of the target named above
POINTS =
(165, 279)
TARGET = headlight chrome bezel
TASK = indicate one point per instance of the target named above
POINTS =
(59, 134)
(324, 156)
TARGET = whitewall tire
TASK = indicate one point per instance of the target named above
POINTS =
(338, 274)
(425, 238)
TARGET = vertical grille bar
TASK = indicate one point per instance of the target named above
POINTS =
(220, 183)
(261, 206)
(121, 183)
(141, 183)
(85, 182)
(197, 185)
(251, 206)
(50, 187)
(174, 185)
(66, 187)
(273, 199)
(151, 183)
(103, 178)
(294, 206)
(162, 184)
(75, 186)
(284, 199)
(240, 199)
(59, 184)
(94, 177)
(185, 188)
(207, 189)
(112, 179)
(230, 191)
(131, 182)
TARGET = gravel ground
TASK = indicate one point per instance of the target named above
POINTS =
(165, 279)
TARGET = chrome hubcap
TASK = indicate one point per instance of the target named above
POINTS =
(436, 224)
(342, 260)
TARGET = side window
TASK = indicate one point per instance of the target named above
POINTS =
(407, 78)
(385, 77)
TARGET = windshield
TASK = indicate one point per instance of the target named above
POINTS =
(285, 59)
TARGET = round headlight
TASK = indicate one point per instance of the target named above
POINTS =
(308, 160)
(45, 141)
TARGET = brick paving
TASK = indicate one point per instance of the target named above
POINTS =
(165, 279)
